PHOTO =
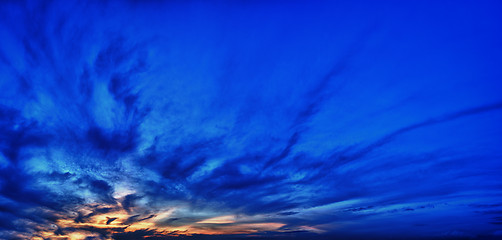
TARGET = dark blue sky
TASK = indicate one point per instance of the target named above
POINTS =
(250, 119)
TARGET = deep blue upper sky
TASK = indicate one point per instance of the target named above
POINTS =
(250, 119)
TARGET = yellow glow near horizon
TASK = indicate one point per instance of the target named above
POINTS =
(220, 219)
(224, 224)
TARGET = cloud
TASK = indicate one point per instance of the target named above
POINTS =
(19, 133)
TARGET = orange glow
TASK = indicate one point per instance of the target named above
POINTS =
(224, 224)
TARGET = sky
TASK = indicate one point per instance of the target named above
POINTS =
(250, 119)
